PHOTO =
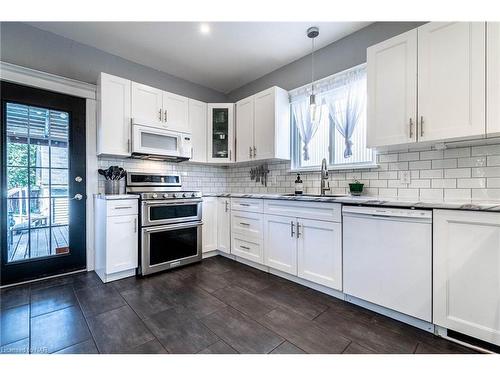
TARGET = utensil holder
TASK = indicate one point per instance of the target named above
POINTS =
(112, 187)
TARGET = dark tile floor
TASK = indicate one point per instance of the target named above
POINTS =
(216, 306)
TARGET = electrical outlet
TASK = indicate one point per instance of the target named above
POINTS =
(405, 177)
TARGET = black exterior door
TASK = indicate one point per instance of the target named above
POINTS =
(42, 183)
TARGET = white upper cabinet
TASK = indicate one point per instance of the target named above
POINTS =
(451, 80)
(155, 107)
(244, 129)
(198, 126)
(147, 104)
(466, 273)
(263, 126)
(113, 127)
(220, 132)
(392, 91)
(493, 79)
(176, 112)
(439, 69)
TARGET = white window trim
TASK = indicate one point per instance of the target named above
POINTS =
(305, 89)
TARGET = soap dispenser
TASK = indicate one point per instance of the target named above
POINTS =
(299, 186)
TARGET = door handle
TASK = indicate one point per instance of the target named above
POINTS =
(292, 225)
(411, 128)
(165, 117)
(250, 152)
(421, 126)
(135, 225)
(159, 115)
(298, 229)
(254, 151)
(77, 197)
(226, 205)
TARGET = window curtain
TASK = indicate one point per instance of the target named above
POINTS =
(303, 120)
(346, 104)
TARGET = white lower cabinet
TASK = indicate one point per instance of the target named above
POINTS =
(224, 225)
(247, 235)
(209, 228)
(467, 273)
(304, 247)
(280, 243)
(319, 252)
(116, 238)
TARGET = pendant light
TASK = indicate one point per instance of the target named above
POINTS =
(312, 33)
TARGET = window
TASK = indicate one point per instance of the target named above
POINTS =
(337, 129)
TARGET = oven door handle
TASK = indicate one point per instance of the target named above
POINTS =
(173, 203)
(160, 228)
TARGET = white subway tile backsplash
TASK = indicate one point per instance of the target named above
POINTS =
(441, 183)
(476, 161)
(457, 173)
(444, 163)
(471, 183)
(423, 164)
(431, 155)
(462, 173)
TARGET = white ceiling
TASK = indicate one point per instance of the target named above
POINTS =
(231, 55)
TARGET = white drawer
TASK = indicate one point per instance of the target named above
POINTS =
(306, 210)
(248, 249)
(121, 207)
(247, 204)
(248, 224)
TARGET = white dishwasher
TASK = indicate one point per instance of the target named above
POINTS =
(387, 258)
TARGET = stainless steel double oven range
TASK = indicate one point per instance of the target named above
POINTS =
(170, 219)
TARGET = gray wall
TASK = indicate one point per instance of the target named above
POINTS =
(333, 58)
(25, 45)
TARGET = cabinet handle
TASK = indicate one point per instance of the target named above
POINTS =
(246, 224)
(135, 225)
(165, 117)
(411, 128)
(159, 115)
(226, 204)
(230, 155)
(292, 233)
(254, 151)
(298, 229)
(245, 204)
(122, 207)
(245, 247)
(421, 126)
(250, 152)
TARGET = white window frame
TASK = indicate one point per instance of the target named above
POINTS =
(295, 136)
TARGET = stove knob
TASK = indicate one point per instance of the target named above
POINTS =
(193, 195)
(165, 195)
(154, 195)
(175, 195)
(184, 195)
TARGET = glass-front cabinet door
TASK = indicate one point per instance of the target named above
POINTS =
(221, 132)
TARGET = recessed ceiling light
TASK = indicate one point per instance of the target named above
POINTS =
(204, 28)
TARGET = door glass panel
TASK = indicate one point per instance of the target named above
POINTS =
(172, 244)
(220, 132)
(37, 182)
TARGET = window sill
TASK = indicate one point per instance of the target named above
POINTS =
(336, 167)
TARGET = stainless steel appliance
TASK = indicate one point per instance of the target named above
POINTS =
(154, 143)
(170, 221)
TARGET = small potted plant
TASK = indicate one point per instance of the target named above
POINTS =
(356, 188)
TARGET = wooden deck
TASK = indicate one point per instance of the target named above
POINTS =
(40, 243)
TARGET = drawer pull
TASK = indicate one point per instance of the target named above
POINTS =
(122, 207)
(245, 224)
(245, 204)
(245, 247)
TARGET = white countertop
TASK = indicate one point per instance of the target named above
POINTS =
(116, 196)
